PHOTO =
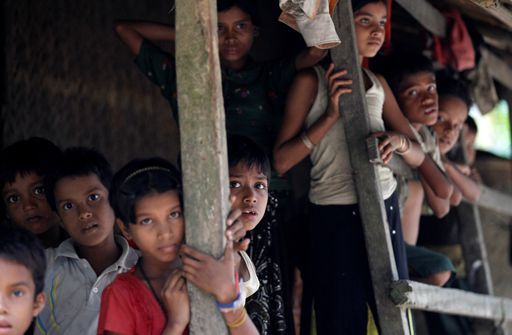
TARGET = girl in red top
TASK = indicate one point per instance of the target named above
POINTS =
(152, 297)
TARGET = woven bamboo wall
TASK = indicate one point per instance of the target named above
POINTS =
(71, 80)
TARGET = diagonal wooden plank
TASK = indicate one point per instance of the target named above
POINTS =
(203, 144)
(426, 14)
(356, 124)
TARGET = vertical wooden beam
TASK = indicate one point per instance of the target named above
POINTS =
(356, 124)
(203, 144)
(475, 254)
(478, 272)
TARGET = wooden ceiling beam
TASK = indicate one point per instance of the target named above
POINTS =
(426, 14)
(498, 11)
(500, 69)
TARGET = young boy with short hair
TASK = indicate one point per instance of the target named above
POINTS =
(412, 79)
(22, 265)
(24, 166)
(83, 265)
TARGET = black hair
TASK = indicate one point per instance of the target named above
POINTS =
(34, 155)
(471, 124)
(397, 66)
(241, 149)
(22, 247)
(248, 6)
(138, 178)
(78, 162)
(358, 4)
(447, 85)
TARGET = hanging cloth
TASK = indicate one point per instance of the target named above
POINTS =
(456, 50)
(482, 86)
(312, 18)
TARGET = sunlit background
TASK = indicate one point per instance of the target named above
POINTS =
(494, 130)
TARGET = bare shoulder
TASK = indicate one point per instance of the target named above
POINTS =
(307, 77)
(381, 79)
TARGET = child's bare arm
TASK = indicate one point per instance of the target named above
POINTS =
(412, 211)
(435, 178)
(440, 206)
(467, 186)
(390, 142)
(396, 121)
(132, 33)
(215, 276)
(290, 147)
(309, 57)
(456, 196)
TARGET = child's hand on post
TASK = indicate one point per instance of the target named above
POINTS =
(213, 276)
(390, 142)
(175, 298)
(337, 87)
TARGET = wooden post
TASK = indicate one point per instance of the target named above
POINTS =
(478, 272)
(203, 144)
(356, 124)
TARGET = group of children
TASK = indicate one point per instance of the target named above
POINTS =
(116, 261)
(119, 265)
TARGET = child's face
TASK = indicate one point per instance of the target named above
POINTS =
(452, 114)
(417, 97)
(236, 34)
(18, 301)
(249, 186)
(82, 203)
(26, 204)
(369, 27)
(159, 227)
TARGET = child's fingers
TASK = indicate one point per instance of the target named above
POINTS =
(386, 152)
(229, 253)
(233, 216)
(190, 262)
(189, 271)
(388, 157)
(173, 278)
(329, 71)
(341, 91)
(384, 141)
(242, 245)
(340, 84)
(237, 231)
(182, 285)
(191, 252)
(337, 77)
(179, 283)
